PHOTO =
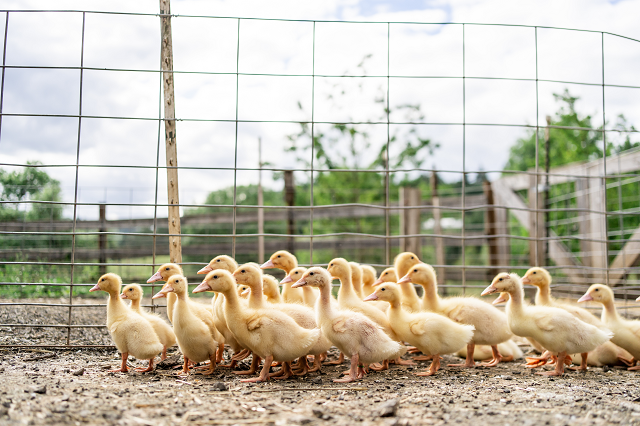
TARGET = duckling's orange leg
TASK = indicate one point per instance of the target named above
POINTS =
(380, 367)
(164, 353)
(339, 361)
(422, 357)
(254, 366)
(413, 350)
(241, 355)
(185, 367)
(264, 374)
(285, 372)
(535, 362)
(496, 357)
(400, 361)
(353, 372)
(469, 363)
(323, 356)
(304, 367)
(148, 369)
(629, 362)
(559, 370)
(123, 368)
(220, 353)
(583, 364)
(212, 365)
(435, 366)
(317, 364)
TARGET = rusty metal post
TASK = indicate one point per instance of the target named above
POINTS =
(290, 199)
(102, 240)
(175, 244)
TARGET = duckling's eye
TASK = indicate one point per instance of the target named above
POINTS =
(383, 289)
(500, 279)
(311, 273)
(242, 271)
(218, 260)
(176, 281)
(166, 269)
(215, 277)
(534, 272)
(411, 257)
(102, 279)
(597, 289)
(415, 270)
(130, 289)
(331, 264)
(279, 256)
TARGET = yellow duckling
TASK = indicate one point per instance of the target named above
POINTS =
(164, 331)
(433, 334)
(130, 331)
(556, 329)
(194, 335)
(357, 279)
(541, 278)
(491, 326)
(387, 276)
(309, 295)
(403, 264)
(302, 315)
(504, 298)
(626, 333)
(268, 333)
(287, 262)
(271, 289)
(352, 332)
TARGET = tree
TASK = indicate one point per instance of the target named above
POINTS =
(34, 184)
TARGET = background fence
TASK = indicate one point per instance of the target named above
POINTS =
(337, 181)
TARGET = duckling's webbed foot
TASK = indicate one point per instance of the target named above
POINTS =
(496, 357)
(535, 362)
(254, 366)
(241, 355)
(304, 367)
(164, 353)
(423, 358)
(339, 361)
(286, 372)
(264, 374)
(559, 370)
(212, 365)
(400, 361)
(123, 368)
(413, 350)
(380, 367)
(148, 369)
(433, 369)
(220, 353)
(317, 364)
(469, 363)
(628, 362)
(583, 363)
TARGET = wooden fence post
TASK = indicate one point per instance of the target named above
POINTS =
(175, 243)
(582, 199)
(491, 229)
(290, 199)
(260, 203)
(437, 228)
(597, 224)
(536, 224)
(411, 220)
(102, 240)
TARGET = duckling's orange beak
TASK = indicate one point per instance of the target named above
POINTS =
(499, 299)
(267, 265)
(155, 277)
(205, 270)
(586, 298)
(526, 280)
(638, 299)
(489, 290)
(286, 279)
(163, 293)
(372, 296)
(245, 293)
(123, 296)
(378, 281)
(95, 288)
(299, 283)
(204, 286)
(405, 279)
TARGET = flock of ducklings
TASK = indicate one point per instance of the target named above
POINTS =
(369, 322)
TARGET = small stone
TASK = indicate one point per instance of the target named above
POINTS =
(506, 377)
(317, 412)
(78, 372)
(606, 368)
(341, 398)
(317, 381)
(169, 362)
(388, 408)
(300, 420)
(39, 389)
(319, 401)
(219, 386)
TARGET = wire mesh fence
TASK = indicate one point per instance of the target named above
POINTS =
(373, 137)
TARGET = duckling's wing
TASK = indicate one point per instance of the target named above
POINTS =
(340, 325)
(418, 327)
(545, 322)
(254, 322)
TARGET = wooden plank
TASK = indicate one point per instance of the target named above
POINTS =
(175, 243)
(597, 222)
(411, 221)
(536, 223)
(437, 229)
(491, 229)
(626, 258)
(582, 199)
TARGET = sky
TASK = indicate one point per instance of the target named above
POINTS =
(287, 48)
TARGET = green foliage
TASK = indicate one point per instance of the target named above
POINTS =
(34, 184)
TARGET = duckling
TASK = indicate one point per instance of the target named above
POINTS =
(491, 327)
(217, 302)
(268, 333)
(130, 331)
(357, 274)
(302, 315)
(626, 333)
(509, 351)
(433, 334)
(193, 334)
(352, 332)
(556, 329)
(387, 276)
(605, 354)
(541, 278)
(309, 295)
(504, 298)
(164, 331)
(287, 262)
(271, 289)
(402, 264)
(368, 279)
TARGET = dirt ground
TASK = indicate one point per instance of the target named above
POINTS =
(41, 386)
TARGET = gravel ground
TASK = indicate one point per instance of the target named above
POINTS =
(41, 386)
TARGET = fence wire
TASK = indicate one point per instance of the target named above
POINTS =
(229, 227)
